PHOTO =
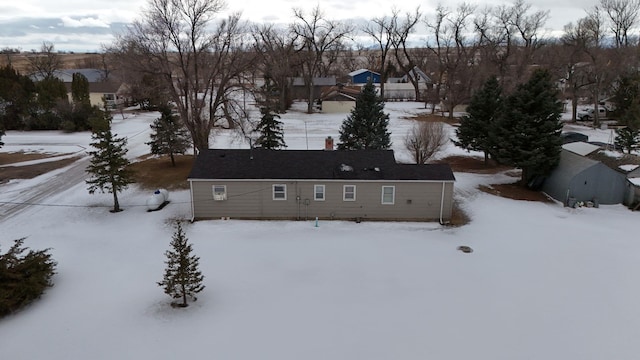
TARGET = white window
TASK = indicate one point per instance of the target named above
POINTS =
(318, 192)
(279, 192)
(388, 194)
(219, 192)
(349, 193)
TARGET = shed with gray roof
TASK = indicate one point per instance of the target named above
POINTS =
(327, 184)
(578, 178)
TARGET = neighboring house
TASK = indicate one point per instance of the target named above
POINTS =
(418, 74)
(402, 89)
(327, 184)
(339, 99)
(101, 89)
(364, 76)
(577, 178)
(101, 93)
(300, 91)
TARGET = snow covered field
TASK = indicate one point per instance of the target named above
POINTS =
(543, 282)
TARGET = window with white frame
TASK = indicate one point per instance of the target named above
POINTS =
(279, 192)
(219, 192)
(388, 195)
(318, 192)
(349, 193)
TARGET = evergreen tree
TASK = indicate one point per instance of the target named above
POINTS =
(80, 90)
(23, 277)
(109, 166)
(628, 138)
(17, 98)
(526, 135)
(169, 136)
(627, 99)
(366, 125)
(626, 93)
(484, 107)
(51, 90)
(182, 278)
(270, 129)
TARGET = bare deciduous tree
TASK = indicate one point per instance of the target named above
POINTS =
(454, 53)
(381, 29)
(575, 43)
(509, 36)
(317, 38)
(198, 63)
(276, 51)
(405, 57)
(424, 140)
(622, 15)
(46, 62)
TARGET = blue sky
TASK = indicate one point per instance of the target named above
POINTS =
(76, 25)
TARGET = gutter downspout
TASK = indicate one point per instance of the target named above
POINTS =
(442, 203)
(193, 212)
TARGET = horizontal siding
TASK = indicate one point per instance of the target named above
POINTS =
(253, 200)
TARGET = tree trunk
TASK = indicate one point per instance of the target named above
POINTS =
(173, 160)
(116, 204)
(525, 178)
(310, 101)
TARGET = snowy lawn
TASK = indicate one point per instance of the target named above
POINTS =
(543, 282)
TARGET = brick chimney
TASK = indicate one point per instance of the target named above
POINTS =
(328, 143)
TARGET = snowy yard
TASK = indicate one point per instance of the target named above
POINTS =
(543, 282)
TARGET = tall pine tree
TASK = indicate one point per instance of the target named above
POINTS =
(109, 166)
(80, 90)
(627, 98)
(366, 126)
(270, 129)
(526, 135)
(182, 278)
(484, 107)
(169, 136)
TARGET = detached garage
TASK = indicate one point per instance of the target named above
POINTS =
(578, 178)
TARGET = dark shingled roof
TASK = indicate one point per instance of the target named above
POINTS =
(311, 164)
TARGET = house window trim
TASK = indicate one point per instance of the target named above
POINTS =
(217, 195)
(393, 195)
(344, 193)
(284, 192)
(315, 192)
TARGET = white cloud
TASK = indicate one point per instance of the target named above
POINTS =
(83, 22)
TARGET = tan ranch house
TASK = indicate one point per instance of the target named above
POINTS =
(355, 185)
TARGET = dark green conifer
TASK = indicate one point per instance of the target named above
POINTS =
(526, 135)
(23, 277)
(182, 277)
(169, 136)
(484, 107)
(270, 129)
(109, 167)
(366, 127)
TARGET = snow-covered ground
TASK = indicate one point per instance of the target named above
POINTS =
(543, 282)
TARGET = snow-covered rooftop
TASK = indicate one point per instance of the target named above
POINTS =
(580, 148)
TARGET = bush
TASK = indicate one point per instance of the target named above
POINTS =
(23, 278)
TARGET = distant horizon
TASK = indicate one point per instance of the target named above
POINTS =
(81, 27)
